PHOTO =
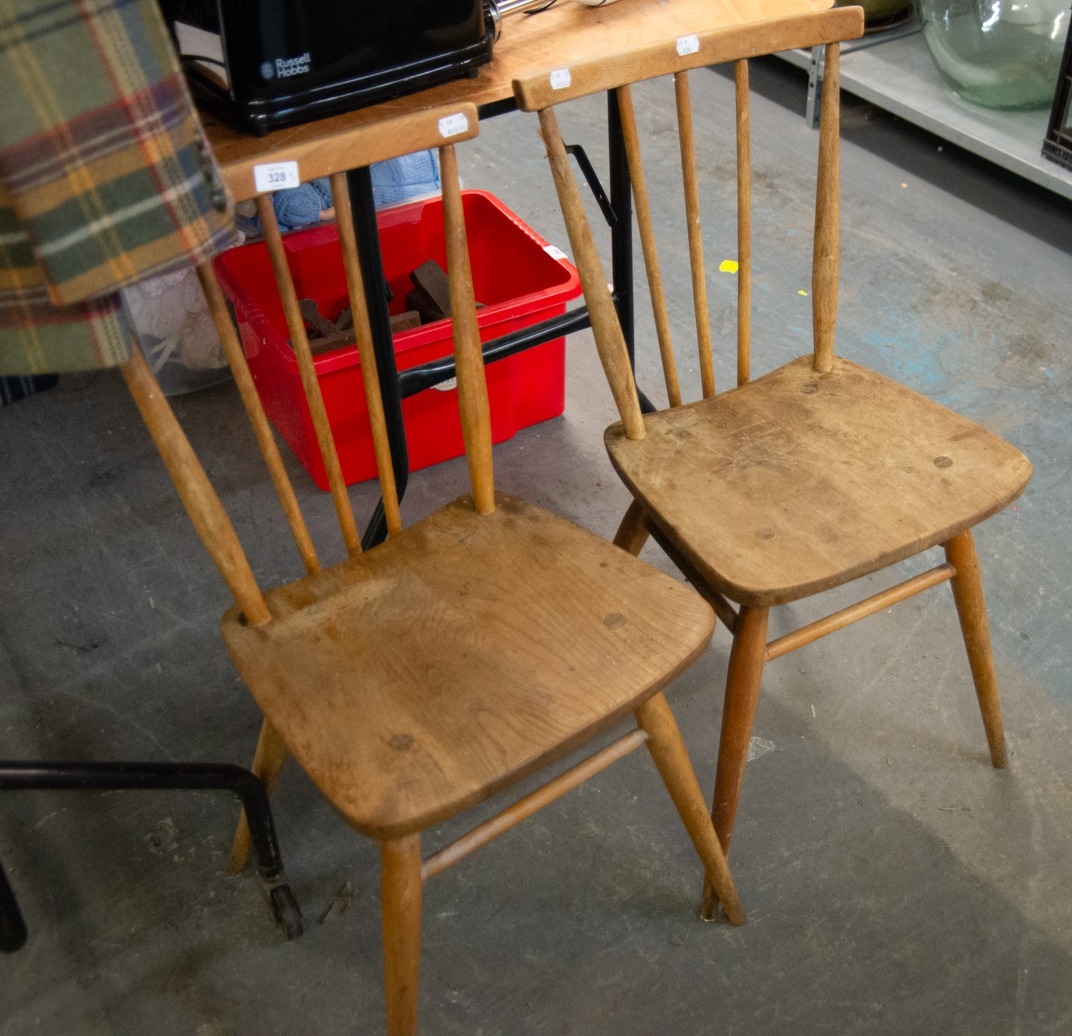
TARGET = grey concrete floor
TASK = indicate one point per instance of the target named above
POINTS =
(895, 882)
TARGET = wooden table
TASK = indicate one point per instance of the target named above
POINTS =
(564, 34)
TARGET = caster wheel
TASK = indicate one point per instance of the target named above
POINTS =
(287, 912)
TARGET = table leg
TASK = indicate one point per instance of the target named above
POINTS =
(359, 182)
(621, 234)
(621, 237)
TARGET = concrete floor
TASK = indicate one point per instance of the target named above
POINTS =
(895, 882)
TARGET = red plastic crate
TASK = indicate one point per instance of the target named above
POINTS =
(518, 277)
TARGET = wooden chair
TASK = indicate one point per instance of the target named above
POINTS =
(467, 652)
(808, 477)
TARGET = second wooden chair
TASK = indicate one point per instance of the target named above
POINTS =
(815, 474)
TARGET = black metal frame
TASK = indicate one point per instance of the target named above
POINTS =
(1058, 143)
(131, 776)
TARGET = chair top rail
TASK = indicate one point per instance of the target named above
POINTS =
(683, 53)
(360, 145)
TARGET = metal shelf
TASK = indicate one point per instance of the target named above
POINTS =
(898, 75)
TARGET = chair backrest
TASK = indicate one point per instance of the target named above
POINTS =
(433, 128)
(616, 72)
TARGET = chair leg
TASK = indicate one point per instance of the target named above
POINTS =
(747, 656)
(268, 761)
(971, 608)
(632, 533)
(667, 748)
(400, 895)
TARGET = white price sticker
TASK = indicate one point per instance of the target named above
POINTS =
(275, 176)
(688, 45)
(554, 252)
(560, 79)
(452, 125)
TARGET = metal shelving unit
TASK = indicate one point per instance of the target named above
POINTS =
(895, 72)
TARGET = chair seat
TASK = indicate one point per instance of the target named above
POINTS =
(423, 676)
(797, 482)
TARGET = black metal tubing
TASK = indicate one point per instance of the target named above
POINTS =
(490, 109)
(133, 776)
(359, 184)
(427, 375)
(589, 173)
(621, 238)
(1057, 144)
(621, 200)
(12, 925)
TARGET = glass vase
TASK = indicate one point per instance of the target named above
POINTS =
(998, 53)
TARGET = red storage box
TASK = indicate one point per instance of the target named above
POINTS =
(518, 277)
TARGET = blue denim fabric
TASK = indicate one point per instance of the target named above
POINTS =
(393, 182)
(411, 176)
(398, 180)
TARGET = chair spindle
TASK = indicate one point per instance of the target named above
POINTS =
(258, 420)
(300, 343)
(824, 286)
(610, 342)
(744, 223)
(646, 226)
(687, 144)
(355, 286)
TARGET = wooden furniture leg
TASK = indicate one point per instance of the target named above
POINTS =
(743, 679)
(268, 761)
(400, 895)
(971, 609)
(633, 532)
(668, 751)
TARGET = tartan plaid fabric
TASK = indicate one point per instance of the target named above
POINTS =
(37, 337)
(105, 176)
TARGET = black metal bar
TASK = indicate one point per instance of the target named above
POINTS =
(493, 108)
(589, 173)
(133, 776)
(621, 235)
(12, 925)
(435, 372)
(621, 238)
(1057, 144)
(646, 405)
(359, 183)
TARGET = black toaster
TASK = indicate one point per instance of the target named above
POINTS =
(260, 65)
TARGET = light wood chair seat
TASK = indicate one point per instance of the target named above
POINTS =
(419, 678)
(799, 481)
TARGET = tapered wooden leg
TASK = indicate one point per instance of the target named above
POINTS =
(747, 656)
(672, 761)
(971, 608)
(400, 895)
(632, 533)
(268, 760)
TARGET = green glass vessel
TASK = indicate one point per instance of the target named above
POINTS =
(998, 53)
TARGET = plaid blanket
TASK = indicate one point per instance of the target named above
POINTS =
(105, 177)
